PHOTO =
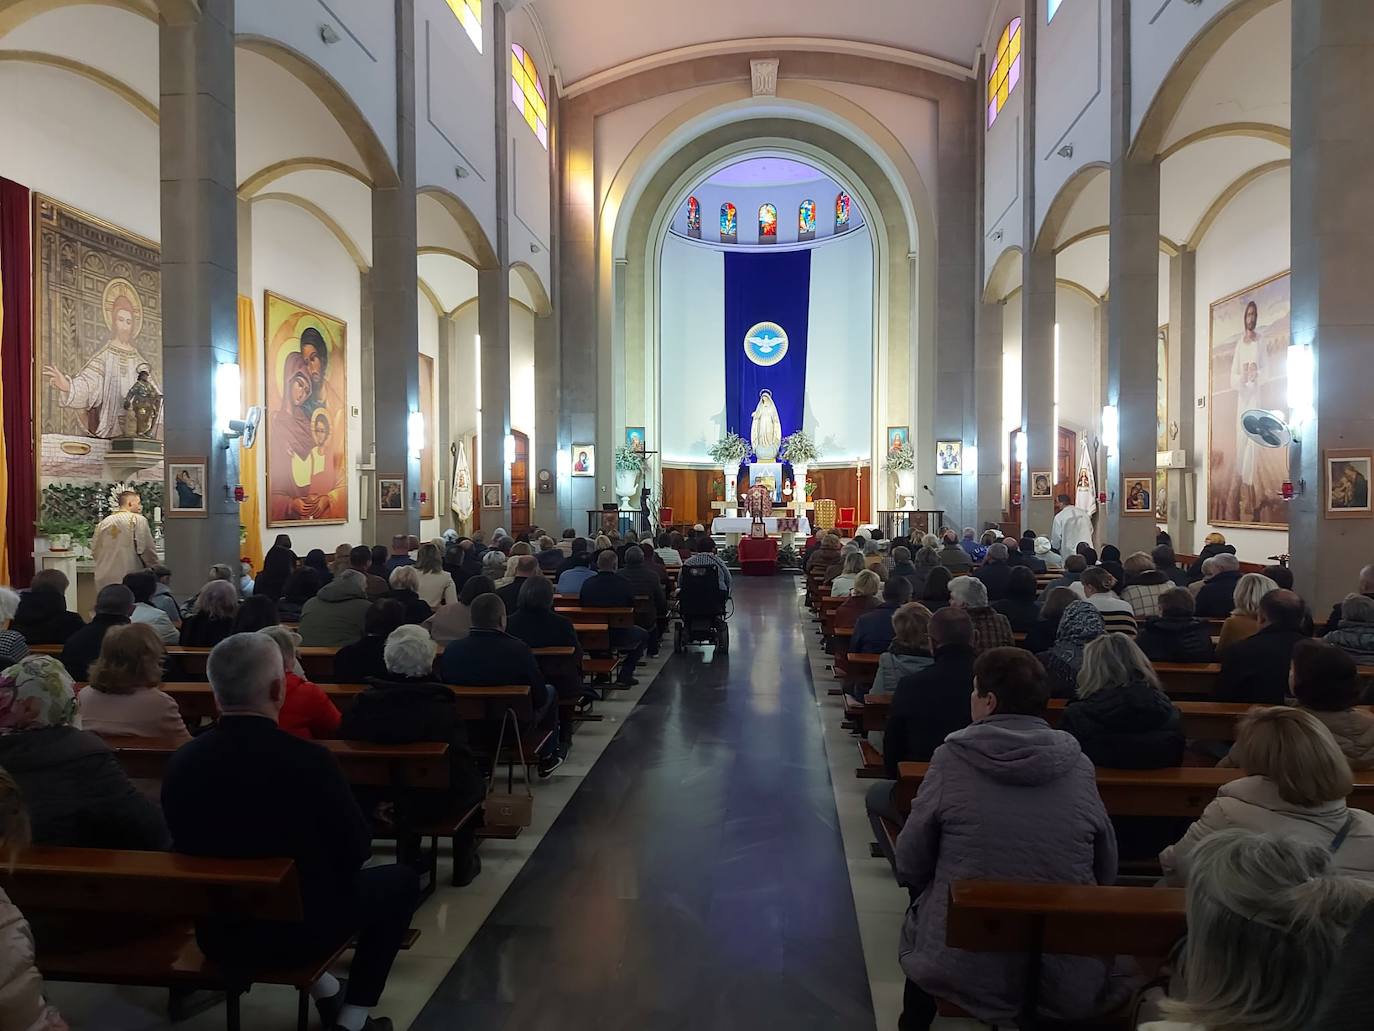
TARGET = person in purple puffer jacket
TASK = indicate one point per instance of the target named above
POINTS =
(1007, 798)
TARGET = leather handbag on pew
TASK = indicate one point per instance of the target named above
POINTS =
(509, 809)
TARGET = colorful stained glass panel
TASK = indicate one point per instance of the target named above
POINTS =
(768, 222)
(1006, 69)
(806, 217)
(729, 221)
(527, 92)
(469, 15)
(694, 217)
(841, 211)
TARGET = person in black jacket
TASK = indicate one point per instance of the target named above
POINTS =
(526, 566)
(113, 607)
(408, 705)
(995, 572)
(246, 789)
(539, 626)
(609, 590)
(278, 564)
(1019, 605)
(577, 557)
(1214, 544)
(1174, 635)
(42, 616)
(213, 619)
(77, 793)
(366, 659)
(1217, 597)
(1165, 563)
(405, 588)
(1333, 621)
(1255, 670)
(926, 708)
(489, 656)
(1045, 631)
(644, 581)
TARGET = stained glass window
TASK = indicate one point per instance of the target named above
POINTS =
(1051, 9)
(694, 218)
(806, 219)
(469, 15)
(1006, 69)
(841, 212)
(527, 90)
(729, 223)
(768, 223)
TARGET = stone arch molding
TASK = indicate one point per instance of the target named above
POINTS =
(543, 306)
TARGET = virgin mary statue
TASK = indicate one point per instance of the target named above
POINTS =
(765, 433)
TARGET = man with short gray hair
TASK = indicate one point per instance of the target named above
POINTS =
(1366, 587)
(995, 572)
(247, 789)
(526, 566)
(609, 590)
(991, 629)
(1217, 597)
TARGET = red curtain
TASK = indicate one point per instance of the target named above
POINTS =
(16, 366)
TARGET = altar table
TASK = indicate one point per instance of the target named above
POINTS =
(733, 527)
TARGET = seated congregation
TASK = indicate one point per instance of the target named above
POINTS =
(334, 682)
(1057, 747)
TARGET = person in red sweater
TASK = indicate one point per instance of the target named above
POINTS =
(306, 710)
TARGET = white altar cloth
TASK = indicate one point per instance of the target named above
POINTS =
(741, 525)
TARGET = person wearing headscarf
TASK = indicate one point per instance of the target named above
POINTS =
(277, 565)
(1047, 555)
(77, 793)
(1080, 624)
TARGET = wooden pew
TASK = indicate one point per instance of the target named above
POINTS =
(197, 701)
(159, 894)
(1061, 919)
(616, 619)
(1181, 791)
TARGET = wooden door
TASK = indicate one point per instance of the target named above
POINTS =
(520, 485)
(1065, 475)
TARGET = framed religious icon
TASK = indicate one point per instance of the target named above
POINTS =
(1137, 496)
(1247, 369)
(185, 488)
(491, 495)
(1042, 485)
(634, 438)
(949, 458)
(897, 436)
(583, 460)
(1347, 483)
(306, 356)
(391, 494)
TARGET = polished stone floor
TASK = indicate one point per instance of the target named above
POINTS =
(697, 877)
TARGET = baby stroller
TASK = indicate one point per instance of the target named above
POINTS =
(701, 617)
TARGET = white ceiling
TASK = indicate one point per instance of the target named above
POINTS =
(590, 36)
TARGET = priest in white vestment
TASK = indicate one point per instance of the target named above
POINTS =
(123, 542)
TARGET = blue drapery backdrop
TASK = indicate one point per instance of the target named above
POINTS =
(766, 287)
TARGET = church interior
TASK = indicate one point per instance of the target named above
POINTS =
(523, 514)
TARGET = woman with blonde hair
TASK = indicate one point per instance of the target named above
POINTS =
(843, 585)
(1268, 917)
(436, 583)
(124, 697)
(1296, 784)
(343, 559)
(1121, 716)
(1243, 621)
(212, 619)
(22, 1005)
(909, 651)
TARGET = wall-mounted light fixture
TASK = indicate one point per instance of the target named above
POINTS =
(1066, 151)
(510, 449)
(1111, 428)
(228, 396)
(328, 35)
(415, 433)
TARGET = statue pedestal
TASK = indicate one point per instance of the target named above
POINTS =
(128, 455)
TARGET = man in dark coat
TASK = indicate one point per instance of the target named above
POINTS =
(609, 590)
(1255, 670)
(489, 656)
(995, 572)
(1216, 598)
(903, 566)
(1333, 621)
(926, 707)
(644, 581)
(113, 607)
(526, 566)
(246, 789)
(42, 616)
(873, 630)
(1175, 635)
(1165, 563)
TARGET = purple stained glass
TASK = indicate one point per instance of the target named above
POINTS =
(1014, 76)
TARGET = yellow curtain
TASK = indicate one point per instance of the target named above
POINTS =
(250, 472)
(4, 466)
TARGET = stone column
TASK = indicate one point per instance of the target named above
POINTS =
(199, 275)
(1332, 304)
(395, 377)
(987, 374)
(493, 308)
(445, 368)
(1182, 392)
(1038, 307)
(1132, 306)
(576, 299)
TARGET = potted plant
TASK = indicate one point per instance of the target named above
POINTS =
(799, 451)
(902, 461)
(61, 531)
(729, 451)
(629, 466)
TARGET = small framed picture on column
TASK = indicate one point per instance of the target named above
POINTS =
(391, 494)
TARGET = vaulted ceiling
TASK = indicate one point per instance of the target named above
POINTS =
(592, 36)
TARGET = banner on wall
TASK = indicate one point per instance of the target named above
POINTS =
(461, 502)
(767, 323)
(1086, 494)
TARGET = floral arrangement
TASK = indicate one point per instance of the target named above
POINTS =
(628, 460)
(730, 450)
(902, 458)
(799, 449)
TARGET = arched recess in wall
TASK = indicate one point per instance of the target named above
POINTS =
(327, 220)
(724, 124)
(376, 161)
(1173, 91)
(479, 250)
(1005, 277)
(1047, 240)
(14, 13)
(542, 307)
(110, 83)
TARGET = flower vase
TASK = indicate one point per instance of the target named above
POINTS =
(60, 542)
(626, 483)
(906, 487)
